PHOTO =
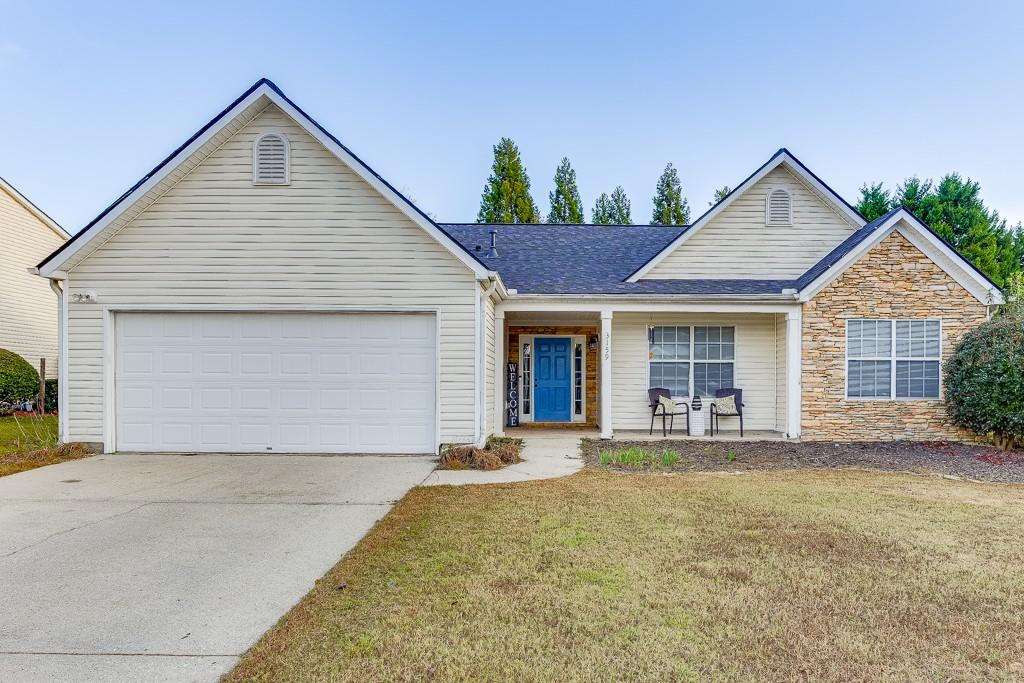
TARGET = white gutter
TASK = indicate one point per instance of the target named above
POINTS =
(606, 299)
(62, 359)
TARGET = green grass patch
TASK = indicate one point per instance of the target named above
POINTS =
(27, 433)
(639, 458)
(30, 441)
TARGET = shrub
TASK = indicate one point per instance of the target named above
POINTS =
(51, 396)
(19, 381)
(463, 457)
(985, 381)
(496, 453)
(505, 448)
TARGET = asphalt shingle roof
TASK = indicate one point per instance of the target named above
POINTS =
(589, 259)
(844, 248)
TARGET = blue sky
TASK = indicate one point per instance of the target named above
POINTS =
(95, 94)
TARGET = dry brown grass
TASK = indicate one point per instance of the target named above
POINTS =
(12, 463)
(27, 442)
(785, 576)
(498, 452)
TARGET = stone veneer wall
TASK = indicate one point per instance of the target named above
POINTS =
(893, 280)
(591, 359)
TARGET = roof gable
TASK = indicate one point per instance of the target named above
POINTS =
(38, 213)
(206, 140)
(917, 233)
(782, 158)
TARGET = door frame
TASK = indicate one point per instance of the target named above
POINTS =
(574, 339)
(110, 312)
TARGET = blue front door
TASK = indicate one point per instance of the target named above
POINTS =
(552, 375)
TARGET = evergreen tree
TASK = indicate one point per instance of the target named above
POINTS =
(720, 194)
(506, 197)
(912, 194)
(566, 206)
(603, 211)
(874, 201)
(670, 206)
(953, 208)
(621, 210)
(612, 210)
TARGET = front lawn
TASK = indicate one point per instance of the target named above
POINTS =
(811, 575)
(28, 442)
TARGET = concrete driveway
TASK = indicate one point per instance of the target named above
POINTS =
(168, 567)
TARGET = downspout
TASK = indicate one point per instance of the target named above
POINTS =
(481, 408)
(62, 360)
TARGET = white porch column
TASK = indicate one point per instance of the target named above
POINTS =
(606, 374)
(499, 372)
(794, 360)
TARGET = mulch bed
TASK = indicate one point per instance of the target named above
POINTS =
(966, 461)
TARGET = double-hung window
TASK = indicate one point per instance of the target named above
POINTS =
(670, 359)
(893, 358)
(686, 359)
(714, 353)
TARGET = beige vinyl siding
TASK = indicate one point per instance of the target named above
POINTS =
(326, 239)
(755, 372)
(780, 364)
(28, 307)
(737, 244)
(489, 424)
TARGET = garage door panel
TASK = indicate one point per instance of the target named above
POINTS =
(216, 363)
(137, 362)
(174, 363)
(284, 382)
(256, 364)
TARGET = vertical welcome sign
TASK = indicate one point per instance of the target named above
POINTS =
(512, 398)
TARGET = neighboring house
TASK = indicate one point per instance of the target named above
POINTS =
(262, 289)
(28, 307)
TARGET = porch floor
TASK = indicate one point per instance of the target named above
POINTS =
(681, 435)
(642, 435)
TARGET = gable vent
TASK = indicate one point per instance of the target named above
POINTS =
(778, 208)
(270, 160)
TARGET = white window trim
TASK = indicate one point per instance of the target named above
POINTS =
(767, 207)
(691, 360)
(574, 339)
(287, 157)
(891, 358)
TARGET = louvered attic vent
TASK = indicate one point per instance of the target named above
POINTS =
(778, 208)
(270, 160)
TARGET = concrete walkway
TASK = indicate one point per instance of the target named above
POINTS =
(546, 455)
(168, 567)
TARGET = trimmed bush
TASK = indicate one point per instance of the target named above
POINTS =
(19, 381)
(985, 381)
(51, 395)
(497, 453)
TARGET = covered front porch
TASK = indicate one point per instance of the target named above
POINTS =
(679, 434)
(588, 367)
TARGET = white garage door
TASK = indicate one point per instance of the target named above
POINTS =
(275, 382)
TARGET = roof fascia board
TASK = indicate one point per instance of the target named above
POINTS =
(57, 260)
(618, 305)
(930, 245)
(265, 89)
(780, 158)
(954, 264)
(38, 213)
